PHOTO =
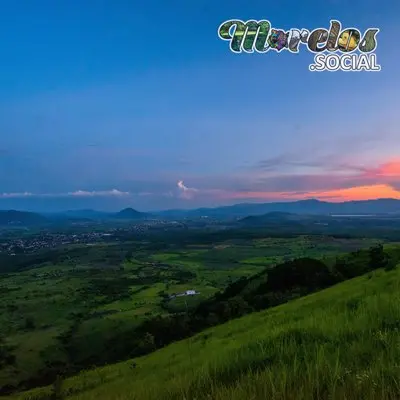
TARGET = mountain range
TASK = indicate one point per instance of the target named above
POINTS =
(237, 211)
(310, 207)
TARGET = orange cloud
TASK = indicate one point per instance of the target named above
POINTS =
(382, 181)
(355, 193)
(371, 192)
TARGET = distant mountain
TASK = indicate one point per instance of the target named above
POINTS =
(94, 215)
(21, 218)
(90, 214)
(269, 217)
(130, 214)
(277, 215)
(309, 207)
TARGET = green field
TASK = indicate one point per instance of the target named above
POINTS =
(341, 343)
(76, 303)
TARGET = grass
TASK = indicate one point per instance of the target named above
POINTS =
(341, 343)
(50, 294)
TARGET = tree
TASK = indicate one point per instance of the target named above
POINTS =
(147, 343)
(29, 324)
(238, 306)
(378, 258)
(342, 268)
(303, 272)
(391, 264)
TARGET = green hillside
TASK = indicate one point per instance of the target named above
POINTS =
(340, 343)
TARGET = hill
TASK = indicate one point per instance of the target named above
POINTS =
(339, 343)
(130, 213)
(270, 218)
(94, 215)
(102, 301)
(21, 218)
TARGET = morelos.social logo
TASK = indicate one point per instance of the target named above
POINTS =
(336, 49)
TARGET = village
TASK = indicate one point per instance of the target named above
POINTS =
(48, 240)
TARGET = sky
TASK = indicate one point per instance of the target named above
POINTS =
(121, 103)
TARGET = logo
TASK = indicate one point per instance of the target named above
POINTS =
(335, 49)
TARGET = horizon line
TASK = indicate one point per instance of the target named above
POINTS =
(199, 208)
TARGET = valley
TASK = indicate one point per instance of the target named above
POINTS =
(73, 307)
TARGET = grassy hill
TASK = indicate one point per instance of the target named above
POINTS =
(340, 343)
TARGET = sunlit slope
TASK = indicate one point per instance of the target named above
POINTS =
(340, 343)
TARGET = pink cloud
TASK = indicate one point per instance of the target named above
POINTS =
(348, 182)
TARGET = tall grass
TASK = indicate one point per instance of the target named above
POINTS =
(341, 343)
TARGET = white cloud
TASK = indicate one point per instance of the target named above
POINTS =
(15, 195)
(186, 192)
(104, 193)
(78, 193)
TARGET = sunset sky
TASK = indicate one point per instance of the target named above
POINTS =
(137, 104)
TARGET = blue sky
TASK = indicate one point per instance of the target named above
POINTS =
(124, 103)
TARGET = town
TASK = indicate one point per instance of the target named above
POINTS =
(23, 241)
